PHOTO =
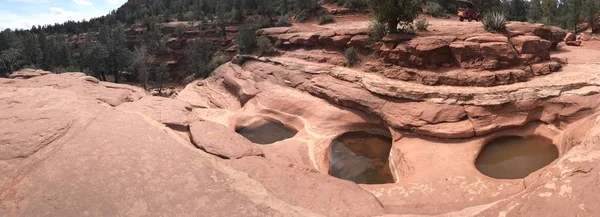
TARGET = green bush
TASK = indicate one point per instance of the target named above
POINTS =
(246, 39)
(377, 31)
(435, 10)
(262, 22)
(180, 29)
(217, 60)
(394, 12)
(422, 24)
(264, 46)
(494, 22)
(302, 17)
(283, 21)
(325, 19)
(353, 4)
(351, 56)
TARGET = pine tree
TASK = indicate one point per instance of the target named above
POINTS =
(535, 11)
(140, 64)
(161, 76)
(10, 59)
(549, 8)
(93, 58)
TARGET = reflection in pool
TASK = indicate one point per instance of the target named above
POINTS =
(515, 157)
(361, 157)
(266, 132)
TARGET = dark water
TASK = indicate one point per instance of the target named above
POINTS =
(266, 132)
(515, 157)
(362, 158)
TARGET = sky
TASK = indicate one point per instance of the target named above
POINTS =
(22, 14)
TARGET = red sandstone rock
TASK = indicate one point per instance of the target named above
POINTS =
(570, 37)
(340, 41)
(486, 38)
(530, 44)
(359, 40)
(498, 51)
(573, 43)
(434, 50)
(221, 141)
(466, 53)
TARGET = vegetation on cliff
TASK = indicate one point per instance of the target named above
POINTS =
(132, 41)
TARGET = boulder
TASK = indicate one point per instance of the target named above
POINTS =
(573, 43)
(221, 141)
(530, 44)
(584, 36)
(498, 51)
(359, 40)
(433, 50)
(570, 37)
(551, 33)
(545, 68)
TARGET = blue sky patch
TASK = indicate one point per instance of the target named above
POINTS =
(22, 14)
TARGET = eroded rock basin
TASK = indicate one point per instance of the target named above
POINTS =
(266, 131)
(361, 157)
(515, 157)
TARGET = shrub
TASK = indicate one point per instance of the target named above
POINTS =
(262, 22)
(377, 31)
(353, 4)
(246, 39)
(283, 21)
(435, 10)
(494, 22)
(309, 5)
(302, 17)
(180, 29)
(351, 56)
(394, 12)
(264, 46)
(325, 19)
(422, 24)
(198, 56)
(217, 60)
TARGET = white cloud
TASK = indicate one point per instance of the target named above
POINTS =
(83, 2)
(116, 2)
(56, 11)
(13, 20)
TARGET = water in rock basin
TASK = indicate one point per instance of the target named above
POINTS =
(515, 157)
(266, 132)
(362, 158)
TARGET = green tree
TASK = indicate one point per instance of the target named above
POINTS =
(140, 64)
(549, 8)
(10, 59)
(119, 56)
(198, 56)
(591, 12)
(535, 11)
(93, 57)
(518, 10)
(32, 53)
(161, 76)
(394, 12)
